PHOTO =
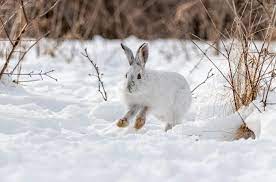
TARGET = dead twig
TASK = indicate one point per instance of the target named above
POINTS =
(25, 52)
(17, 40)
(6, 31)
(209, 75)
(24, 12)
(101, 88)
(14, 45)
(32, 74)
(49, 9)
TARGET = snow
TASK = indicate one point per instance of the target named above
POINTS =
(64, 131)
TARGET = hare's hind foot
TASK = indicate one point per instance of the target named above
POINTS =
(122, 123)
(139, 123)
(141, 118)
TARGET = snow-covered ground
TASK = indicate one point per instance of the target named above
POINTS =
(64, 132)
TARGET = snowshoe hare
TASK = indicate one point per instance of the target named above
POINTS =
(165, 94)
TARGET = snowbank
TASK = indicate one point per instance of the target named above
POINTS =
(64, 131)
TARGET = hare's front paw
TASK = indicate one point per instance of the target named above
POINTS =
(139, 123)
(122, 123)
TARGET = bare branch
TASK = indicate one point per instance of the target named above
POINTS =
(14, 45)
(32, 74)
(25, 52)
(101, 88)
(48, 10)
(205, 54)
(6, 31)
(209, 75)
(24, 12)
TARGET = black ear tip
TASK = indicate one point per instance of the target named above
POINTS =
(145, 44)
(122, 45)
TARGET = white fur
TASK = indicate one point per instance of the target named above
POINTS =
(166, 94)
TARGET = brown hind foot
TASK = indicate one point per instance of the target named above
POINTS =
(139, 123)
(122, 123)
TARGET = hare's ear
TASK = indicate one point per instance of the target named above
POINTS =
(128, 53)
(143, 54)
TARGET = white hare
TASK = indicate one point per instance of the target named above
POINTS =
(166, 95)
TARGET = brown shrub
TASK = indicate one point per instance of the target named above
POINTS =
(148, 19)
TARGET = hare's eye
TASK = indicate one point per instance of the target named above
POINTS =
(126, 75)
(139, 76)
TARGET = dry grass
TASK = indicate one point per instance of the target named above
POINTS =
(147, 19)
(251, 65)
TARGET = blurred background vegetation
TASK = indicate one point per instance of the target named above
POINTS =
(146, 19)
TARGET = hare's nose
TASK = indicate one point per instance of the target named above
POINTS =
(130, 84)
(129, 87)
